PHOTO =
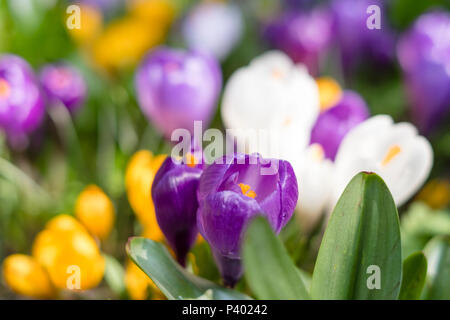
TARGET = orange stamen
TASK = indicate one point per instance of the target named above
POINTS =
(191, 161)
(391, 154)
(246, 190)
(5, 89)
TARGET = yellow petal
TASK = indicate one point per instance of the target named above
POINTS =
(330, 92)
(25, 276)
(95, 211)
(139, 175)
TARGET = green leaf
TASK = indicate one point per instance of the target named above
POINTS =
(361, 245)
(269, 270)
(437, 252)
(114, 275)
(414, 274)
(173, 281)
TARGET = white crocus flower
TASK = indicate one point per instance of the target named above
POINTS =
(276, 99)
(213, 27)
(314, 173)
(394, 151)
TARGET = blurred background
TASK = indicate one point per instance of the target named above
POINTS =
(43, 174)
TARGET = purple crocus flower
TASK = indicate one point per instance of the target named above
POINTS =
(356, 41)
(176, 87)
(334, 123)
(231, 192)
(21, 102)
(63, 83)
(424, 55)
(304, 36)
(174, 196)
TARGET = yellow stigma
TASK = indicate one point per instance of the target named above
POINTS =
(391, 154)
(329, 92)
(277, 74)
(317, 152)
(247, 191)
(5, 89)
(191, 161)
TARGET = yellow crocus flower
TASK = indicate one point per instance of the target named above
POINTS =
(125, 41)
(139, 175)
(95, 211)
(25, 276)
(138, 284)
(69, 254)
(91, 24)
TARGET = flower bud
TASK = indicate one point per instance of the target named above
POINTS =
(21, 102)
(176, 88)
(174, 195)
(95, 211)
(24, 275)
(64, 84)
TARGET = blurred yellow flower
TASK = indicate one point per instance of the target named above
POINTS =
(436, 193)
(91, 23)
(24, 275)
(139, 176)
(138, 284)
(125, 41)
(95, 211)
(329, 92)
(160, 11)
(66, 249)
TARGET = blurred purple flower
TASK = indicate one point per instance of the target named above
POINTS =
(356, 41)
(106, 6)
(234, 190)
(63, 83)
(424, 55)
(174, 192)
(334, 123)
(176, 87)
(21, 102)
(304, 36)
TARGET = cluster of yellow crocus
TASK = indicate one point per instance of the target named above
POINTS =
(139, 175)
(124, 41)
(65, 255)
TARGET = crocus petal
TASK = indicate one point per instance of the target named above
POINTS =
(21, 101)
(334, 123)
(223, 216)
(315, 177)
(424, 55)
(176, 88)
(233, 190)
(174, 196)
(63, 83)
(214, 28)
(303, 35)
(394, 151)
(274, 96)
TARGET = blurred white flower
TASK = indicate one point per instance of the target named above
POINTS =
(213, 27)
(274, 96)
(394, 151)
(314, 175)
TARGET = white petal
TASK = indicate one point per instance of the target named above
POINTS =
(275, 95)
(394, 151)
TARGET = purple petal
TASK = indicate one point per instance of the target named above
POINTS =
(333, 124)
